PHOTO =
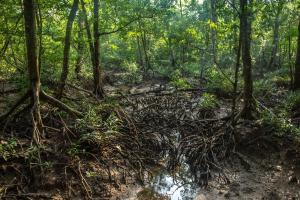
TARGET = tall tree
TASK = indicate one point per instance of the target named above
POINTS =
(80, 46)
(245, 32)
(88, 32)
(65, 68)
(32, 66)
(98, 88)
(35, 93)
(213, 8)
(273, 60)
(297, 64)
(94, 46)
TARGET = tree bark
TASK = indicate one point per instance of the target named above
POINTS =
(80, 47)
(65, 68)
(35, 92)
(88, 32)
(236, 76)
(213, 30)
(98, 89)
(297, 64)
(139, 54)
(32, 66)
(273, 60)
(39, 21)
(94, 47)
(245, 32)
(290, 60)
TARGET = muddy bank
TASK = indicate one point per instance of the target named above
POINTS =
(151, 143)
(266, 174)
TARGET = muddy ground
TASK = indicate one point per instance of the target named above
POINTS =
(262, 166)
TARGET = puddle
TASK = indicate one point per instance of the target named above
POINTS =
(174, 188)
(165, 186)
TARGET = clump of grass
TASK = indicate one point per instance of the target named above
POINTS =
(280, 118)
(178, 81)
(208, 101)
(8, 148)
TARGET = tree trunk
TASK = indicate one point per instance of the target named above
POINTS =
(32, 65)
(35, 92)
(297, 64)
(139, 54)
(65, 68)
(201, 64)
(245, 32)
(143, 37)
(273, 60)
(98, 89)
(290, 60)
(145, 48)
(88, 32)
(213, 30)
(236, 75)
(40, 33)
(80, 47)
(172, 57)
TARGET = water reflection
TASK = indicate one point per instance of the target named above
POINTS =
(178, 187)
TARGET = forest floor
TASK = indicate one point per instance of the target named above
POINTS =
(264, 166)
(143, 160)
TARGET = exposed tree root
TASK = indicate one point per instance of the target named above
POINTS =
(55, 102)
(15, 106)
(203, 141)
(44, 97)
(82, 89)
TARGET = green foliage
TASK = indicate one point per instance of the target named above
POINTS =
(91, 174)
(269, 85)
(8, 148)
(75, 149)
(33, 156)
(282, 120)
(99, 126)
(292, 101)
(208, 101)
(190, 69)
(178, 81)
(217, 80)
(109, 131)
(264, 87)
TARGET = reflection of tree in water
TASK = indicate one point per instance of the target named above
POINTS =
(188, 193)
(179, 189)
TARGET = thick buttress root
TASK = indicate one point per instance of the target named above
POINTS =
(17, 104)
(57, 103)
(45, 98)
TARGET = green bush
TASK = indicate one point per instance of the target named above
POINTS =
(264, 87)
(7, 148)
(99, 126)
(292, 101)
(281, 124)
(178, 81)
(208, 101)
(190, 69)
(280, 119)
(217, 80)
